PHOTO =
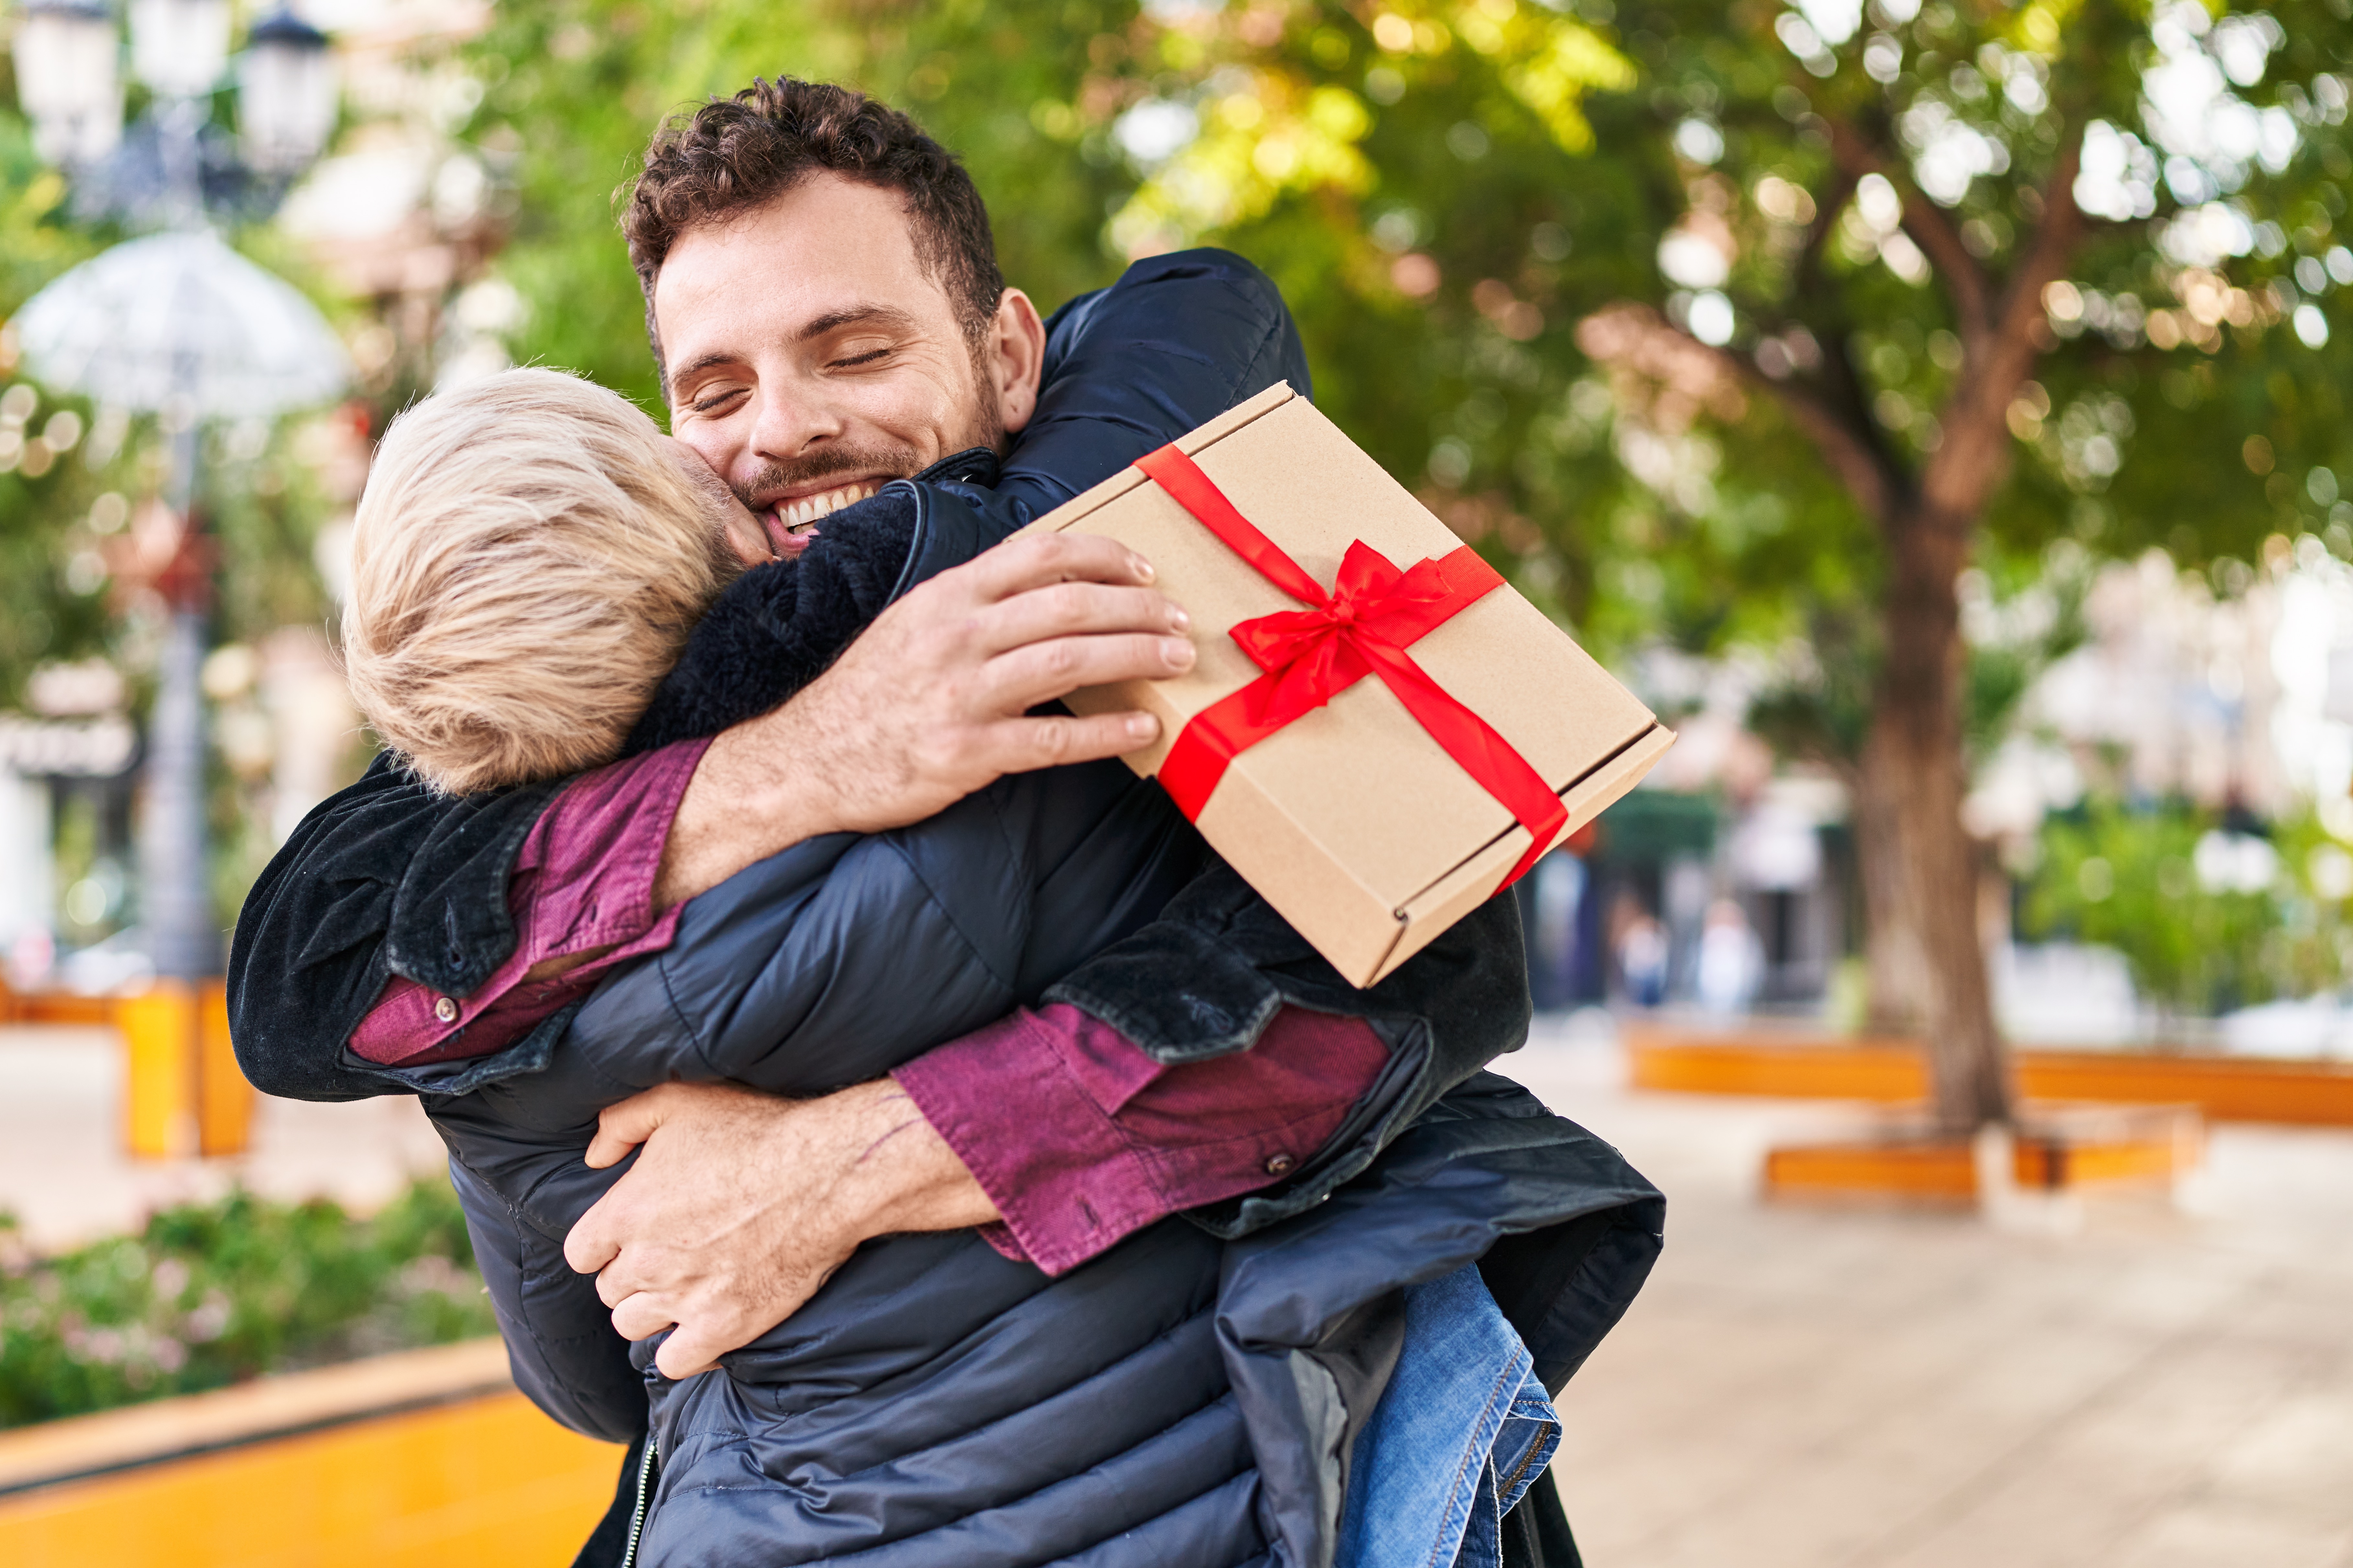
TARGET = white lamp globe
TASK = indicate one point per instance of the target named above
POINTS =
(287, 95)
(65, 53)
(179, 47)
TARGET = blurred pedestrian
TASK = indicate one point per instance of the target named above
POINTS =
(1731, 959)
(1641, 949)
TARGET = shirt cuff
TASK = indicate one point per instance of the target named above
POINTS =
(583, 880)
(1099, 1141)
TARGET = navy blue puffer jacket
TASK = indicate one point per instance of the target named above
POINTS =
(1180, 1400)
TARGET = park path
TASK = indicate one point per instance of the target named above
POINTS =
(2132, 1386)
(65, 1177)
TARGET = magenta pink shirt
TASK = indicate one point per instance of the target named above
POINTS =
(1095, 1143)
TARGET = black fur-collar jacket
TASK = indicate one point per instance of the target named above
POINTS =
(776, 628)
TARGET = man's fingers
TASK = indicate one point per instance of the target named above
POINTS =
(641, 1315)
(1033, 561)
(589, 1246)
(617, 1281)
(1064, 609)
(1049, 741)
(1047, 671)
(624, 1126)
(704, 1335)
(688, 1352)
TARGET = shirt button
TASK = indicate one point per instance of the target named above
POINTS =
(446, 1010)
(1280, 1165)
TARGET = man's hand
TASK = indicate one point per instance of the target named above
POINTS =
(740, 1204)
(931, 703)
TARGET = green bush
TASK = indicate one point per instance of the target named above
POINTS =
(2128, 877)
(209, 1294)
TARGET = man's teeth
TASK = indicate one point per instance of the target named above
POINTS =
(800, 513)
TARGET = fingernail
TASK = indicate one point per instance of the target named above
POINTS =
(1142, 568)
(1143, 726)
(1178, 652)
(1177, 617)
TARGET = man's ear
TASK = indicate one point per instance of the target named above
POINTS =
(1014, 359)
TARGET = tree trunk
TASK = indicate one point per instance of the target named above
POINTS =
(1914, 755)
(1893, 963)
(1912, 765)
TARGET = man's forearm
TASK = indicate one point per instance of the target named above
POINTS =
(1109, 1141)
(760, 789)
(932, 702)
(741, 1206)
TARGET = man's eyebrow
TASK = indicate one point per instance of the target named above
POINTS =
(856, 316)
(697, 366)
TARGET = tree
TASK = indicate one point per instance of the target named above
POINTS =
(1737, 326)
(1991, 177)
(43, 611)
(1891, 253)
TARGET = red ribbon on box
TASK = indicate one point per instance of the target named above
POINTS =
(1361, 627)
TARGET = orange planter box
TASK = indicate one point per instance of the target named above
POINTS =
(422, 1457)
(1939, 1172)
(2225, 1089)
(2057, 1149)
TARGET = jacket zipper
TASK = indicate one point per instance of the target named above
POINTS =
(638, 1514)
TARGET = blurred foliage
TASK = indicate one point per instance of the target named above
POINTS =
(1445, 188)
(40, 616)
(209, 1294)
(2208, 918)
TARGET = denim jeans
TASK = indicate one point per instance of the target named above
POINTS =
(1461, 1431)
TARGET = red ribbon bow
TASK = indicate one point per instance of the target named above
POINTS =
(1361, 627)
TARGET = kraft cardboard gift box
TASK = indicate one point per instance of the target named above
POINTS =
(1351, 819)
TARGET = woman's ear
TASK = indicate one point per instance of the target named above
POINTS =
(1014, 359)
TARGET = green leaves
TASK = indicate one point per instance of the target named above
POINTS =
(209, 1294)
(2208, 919)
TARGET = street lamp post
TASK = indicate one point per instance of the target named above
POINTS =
(177, 324)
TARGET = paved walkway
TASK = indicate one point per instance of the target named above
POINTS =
(64, 1175)
(2143, 1387)
(2128, 1386)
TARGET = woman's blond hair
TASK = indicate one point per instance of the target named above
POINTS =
(526, 564)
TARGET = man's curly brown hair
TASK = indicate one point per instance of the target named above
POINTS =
(734, 154)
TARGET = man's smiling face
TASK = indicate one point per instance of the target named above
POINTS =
(811, 357)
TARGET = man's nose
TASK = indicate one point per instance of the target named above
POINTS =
(791, 416)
